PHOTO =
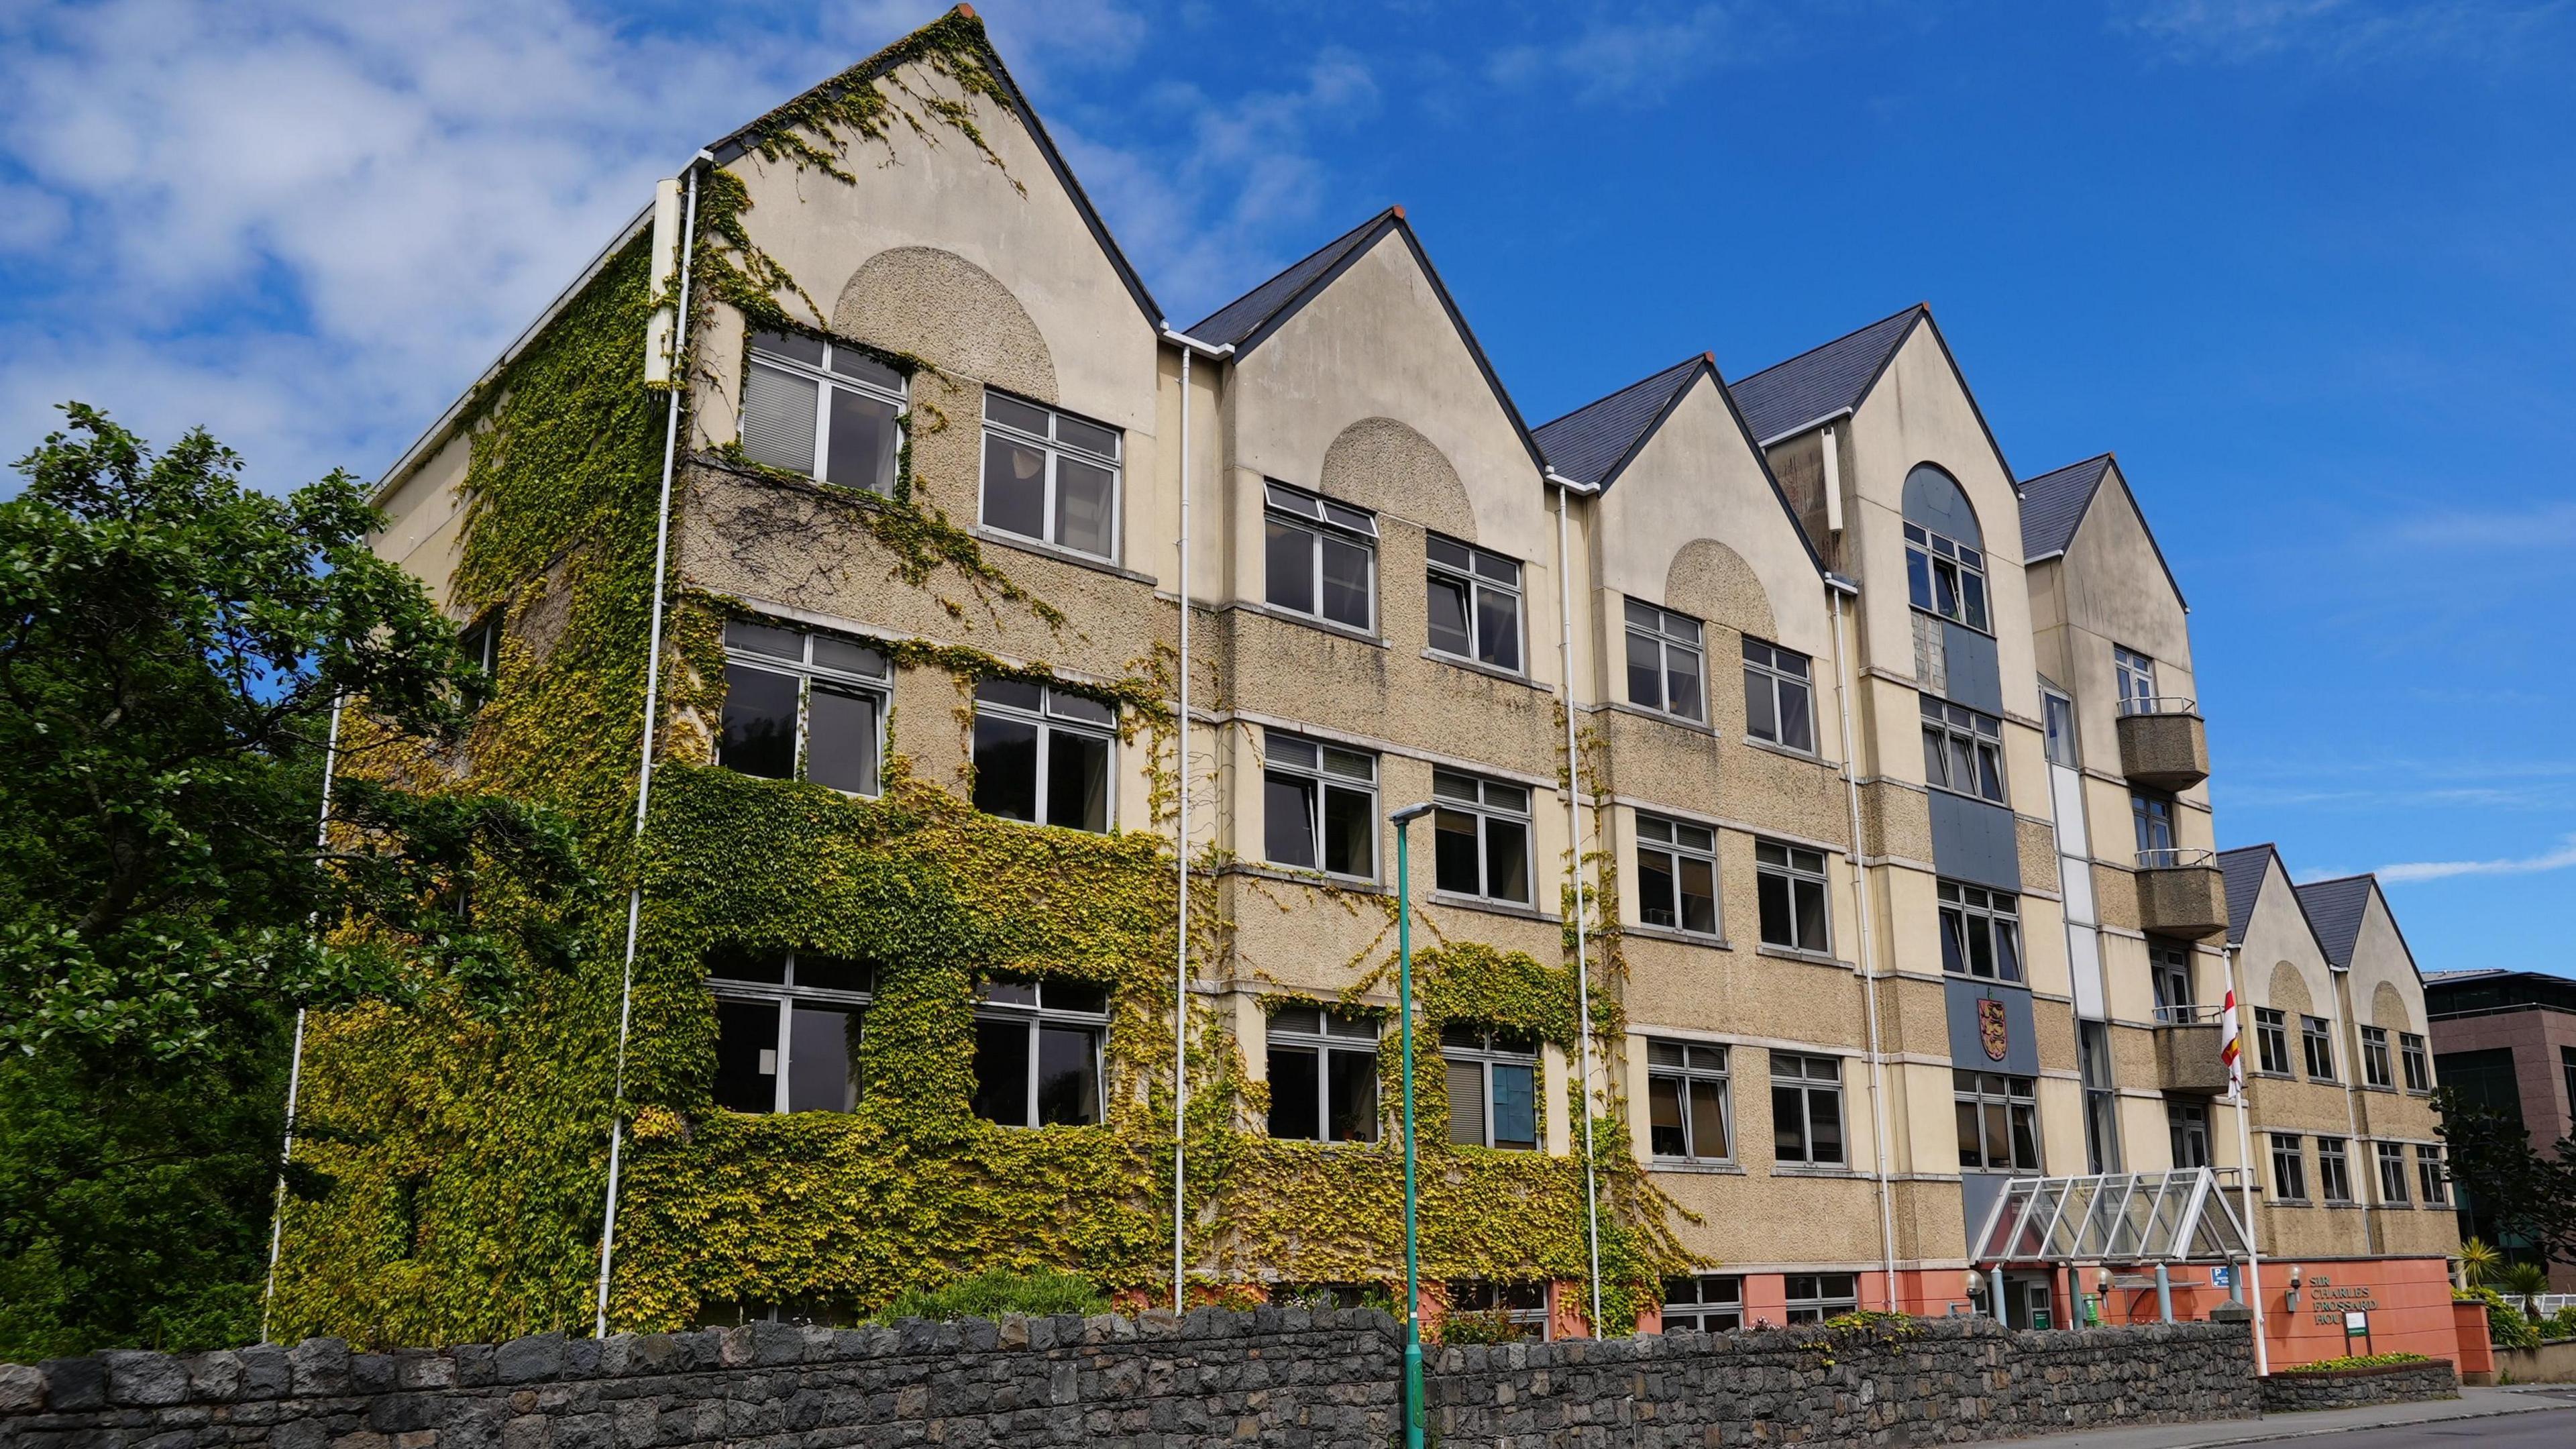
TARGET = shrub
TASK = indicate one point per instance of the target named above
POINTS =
(2507, 1326)
(2354, 1361)
(1488, 1325)
(2561, 1324)
(997, 1291)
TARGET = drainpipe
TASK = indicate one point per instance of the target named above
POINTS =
(295, 1062)
(1190, 348)
(1574, 851)
(1837, 590)
(644, 771)
(2245, 1183)
(2360, 1171)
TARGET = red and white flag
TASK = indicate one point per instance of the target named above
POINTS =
(2232, 1047)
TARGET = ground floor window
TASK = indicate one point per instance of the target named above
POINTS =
(1706, 1302)
(1037, 1052)
(2431, 1175)
(1815, 1297)
(1323, 1075)
(2392, 1171)
(1522, 1305)
(2289, 1169)
(787, 1030)
(2334, 1170)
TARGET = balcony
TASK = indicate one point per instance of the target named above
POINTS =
(2163, 743)
(2180, 893)
(2187, 1048)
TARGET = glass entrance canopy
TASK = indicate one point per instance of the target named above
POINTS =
(2181, 1216)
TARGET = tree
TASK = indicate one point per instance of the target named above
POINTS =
(172, 648)
(2528, 1200)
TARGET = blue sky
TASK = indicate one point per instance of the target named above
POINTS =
(2305, 264)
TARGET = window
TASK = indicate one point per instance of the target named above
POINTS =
(2289, 1169)
(2153, 815)
(1050, 476)
(801, 706)
(1319, 558)
(2431, 1175)
(1676, 875)
(2271, 1041)
(1323, 1075)
(1664, 663)
(2374, 1058)
(479, 644)
(1319, 806)
(1493, 1087)
(1481, 837)
(1789, 883)
(787, 1030)
(2392, 1171)
(1980, 932)
(1475, 603)
(1687, 1110)
(2188, 1125)
(1037, 1052)
(2170, 971)
(1944, 576)
(2060, 712)
(824, 409)
(1779, 703)
(2418, 1064)
(1523, 1304)
(1963, 750)
(2137, 678)
(1704, 1303)
(1998, 1121)
(1806, 1109)
(2101, 1098)
(1815, 1297)
(1042, 755)
(2334, 1170)
(2319, 1043)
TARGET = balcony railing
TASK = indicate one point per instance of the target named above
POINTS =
(2138, 704)
(2169, 857)
(2163, 743)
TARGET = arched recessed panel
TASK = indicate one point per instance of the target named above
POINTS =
(2289, 989)
(1933, 498)
(1383, 464)
(949, 312)
(1710, 581)
(2388, 1009)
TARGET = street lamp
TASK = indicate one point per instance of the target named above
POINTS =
(1404, 1020)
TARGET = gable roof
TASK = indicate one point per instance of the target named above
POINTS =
(1249, 320)
(963, 19)
(2336, 907)
(1595, 443)
(2054, 506)
(1792, 396)
(2244, 870)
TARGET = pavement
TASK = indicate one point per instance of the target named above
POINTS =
(2531, 1416)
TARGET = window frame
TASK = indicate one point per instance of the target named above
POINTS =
(1949, 728)
(1485, 813)
(2415, 1060)
(1770, 672)
(2134, 675)
(1702, 1063)
(2272, 1042)
(1318, 518)
(1993, 916)
(2101, 1095)
(2389, 1158)
(1038, 1015)
(1487, 1054)
(2432, 1174)
(1049, 722)
(1788, 869)
(2169, 965)
(2334, 1170)
(1279, 750)
(808, 673)
(1827, 1295)
(1703, 1302)
(755, 353)
(1676, 849)
(1471, 576)
(1926, 555)
(2182, 1126)
(1533, 1318)
(2316, 1042)
(2057, 729)
(1667, 632)
(2377, 1070)
(787, 993)
(2153, 814)
(1325, 1043)
(1055, 451)
(2018, 1096)
(1796, 1072)
(2288, 1150)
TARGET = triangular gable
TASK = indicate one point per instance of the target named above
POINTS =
(1250, 320)
(1789, 397)
(1595, 443)
(2337, 907)
(2055, 505)
(2256, 864)
(961, 20)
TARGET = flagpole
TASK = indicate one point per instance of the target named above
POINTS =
(2232, 1052)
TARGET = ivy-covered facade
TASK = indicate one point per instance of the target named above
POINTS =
(887, 974)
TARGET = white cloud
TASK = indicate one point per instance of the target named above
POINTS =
(1631, 54)
(2240, 32)
(2562, 858)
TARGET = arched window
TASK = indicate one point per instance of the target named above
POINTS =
(1945, 559)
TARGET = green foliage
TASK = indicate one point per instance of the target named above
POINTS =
(2525, 1281)
(2507, 1325)
(2355, 1361)
(815, 130)
(1462, 1327)
(997, 1291)
(2561, 1324)
(2513, 1189)
(2479, 1260)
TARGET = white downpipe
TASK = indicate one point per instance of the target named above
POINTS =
(644, 772)
(2245, 1182)
(1868, 959)
(1574, 851)
(295, 1061)
(1181, 854)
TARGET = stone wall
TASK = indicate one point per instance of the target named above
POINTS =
(1273, 1376)
(2404, 1383)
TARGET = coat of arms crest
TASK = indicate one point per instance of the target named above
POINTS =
(1991, 1028)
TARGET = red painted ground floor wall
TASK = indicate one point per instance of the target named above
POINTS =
(2406, 1303)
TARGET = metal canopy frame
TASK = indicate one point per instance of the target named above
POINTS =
(2180, 1216)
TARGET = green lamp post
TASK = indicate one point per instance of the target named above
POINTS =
(1413, 1407)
